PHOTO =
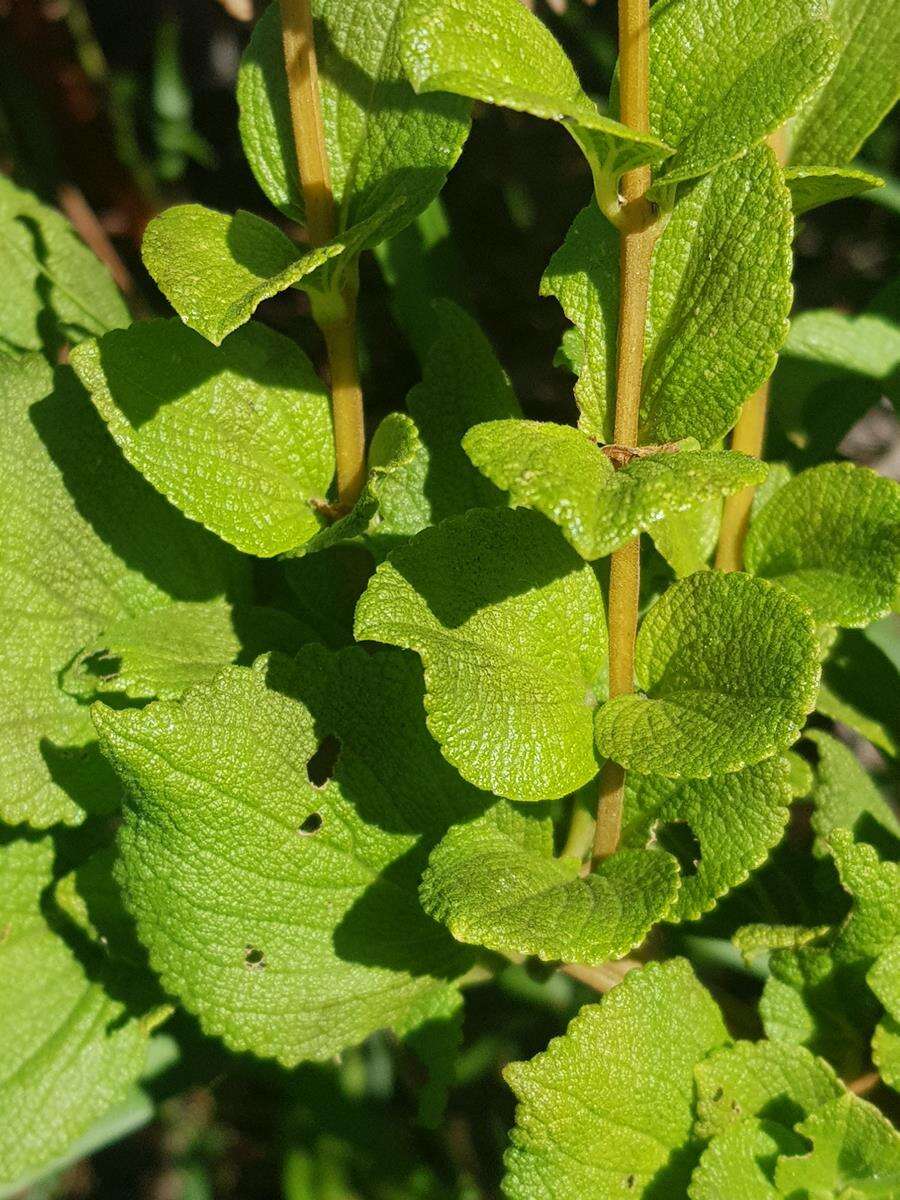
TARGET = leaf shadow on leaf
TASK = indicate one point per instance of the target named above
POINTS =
(135, 521)
(456, 591)
(48, 326)
(83, 774)
(672, 1177)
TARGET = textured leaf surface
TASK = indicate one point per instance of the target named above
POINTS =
(738, 1162)
(719, 300)
(754, 939)
(238, 437)
(884, 980)
(215, 268)
(720, 294)
(280, 909)
(385, 144)
(860, 90)
(832, 536)
(859, 688)
(566, 476)
(163, 652)
(463, 384)
(509, 623)
(47, 267)
(326, 588)
(686, 540)
(729, 849)
(728, 668)
(502, 54)
(606, 1110)
(494, 882)
(845, 796)
(811, 187)
(86, 544)
(776, 1080)
(874, 918)
(853, 1146)
(727, 72)
(68, 1051)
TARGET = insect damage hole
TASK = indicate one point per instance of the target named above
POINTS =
(320, 768)
(311, 825)
(254, 959)
(678, 838)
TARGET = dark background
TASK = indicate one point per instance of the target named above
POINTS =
(119, 108)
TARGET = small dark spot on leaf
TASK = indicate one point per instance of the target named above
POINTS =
(254, 959)
(718, 1094)
(320, 767)
(735, 1108)
(311, 825)
(630, 1181)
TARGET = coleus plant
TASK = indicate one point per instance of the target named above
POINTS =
(214, 801)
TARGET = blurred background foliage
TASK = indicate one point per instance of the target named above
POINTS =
(114, 110)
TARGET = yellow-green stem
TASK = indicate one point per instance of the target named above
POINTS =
(339, 330)
(638, 235)
(749, 437)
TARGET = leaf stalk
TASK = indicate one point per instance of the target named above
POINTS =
(639, 231)
(339, 326)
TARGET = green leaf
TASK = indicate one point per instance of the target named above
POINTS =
(237, 436)
(874, 918)
(509, 623)
(161, 653)
(853, 1146)
(724, 73)
(859, 689)
(463, 384)
(68, 1050)
(729, 849)
(721, 265)
(751, 940)
(563, 474)
(846, 797)
(859, 91)
(385, 145)
(832, 537)
(502, 54)
(281, 909)
(776, 1080)
(737, 1162)
(48, 268)
(86, 544)
(884, 980)
(606, 1110)
(686, 540)
(326, 588)
(811, 187)
(494, 882)
(214, 269)
(583, 275)
(391, 506)
(728, 670)
(832, 370)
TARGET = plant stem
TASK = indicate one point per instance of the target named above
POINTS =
(748, 437)
(638, 236)
(338, 324)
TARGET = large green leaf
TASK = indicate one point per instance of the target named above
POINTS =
(737, 1162)
(237, 436)
(509, 623)
(846, 797)
(275, 890)
(502, 54)
(855, 1152)
(727, 666)
(69, 1051)
(859, 689)
(860, 90)
(86, 544)
(606, 1111)
(494, 882)
(832, 536)
(161, 653)
(385, 144)
(48, 269)
(724, 73)
(721, 266)
(705, 808)
(776, 1080)
(563, 474)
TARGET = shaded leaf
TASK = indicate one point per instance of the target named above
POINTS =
(811, 187)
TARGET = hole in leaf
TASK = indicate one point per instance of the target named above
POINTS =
(630, 1181)
(320, 767)
(311, 825)
(254, 959)
(718, 1094)
(678, 838)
